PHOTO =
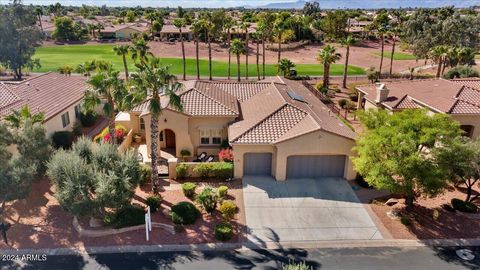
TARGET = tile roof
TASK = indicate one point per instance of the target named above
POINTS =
(446, 96)
(242, 91)
(197, 103)
(169, 28)
(469, 82)
(50, 93)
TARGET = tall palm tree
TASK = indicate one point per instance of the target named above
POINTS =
(91, 29)
(281, 24)
(327, 56)
(180, 23)
(227, 25)
(86, 68)
(381, 32)
(123, 51)
(264, 26)
(285, 66)
(196, 30)
(208, 27)
(237, 48)
(105, 85)
(347, 42)
(155, 81)
(140, 50)
(245, 26)
(257, 36)
(39, 13)
(437, 54)
(18, 117)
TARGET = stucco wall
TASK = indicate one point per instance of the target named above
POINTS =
(316, 143)
(197, 123)
(239, 152)
(55, 123)
(126, 33)
(473, 120)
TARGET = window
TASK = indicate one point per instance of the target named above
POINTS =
(204, 136)
(77, 111)
(211, 136)
(65, 119)
(216, 136)
(142, 126)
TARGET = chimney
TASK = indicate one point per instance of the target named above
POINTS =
(382, 92)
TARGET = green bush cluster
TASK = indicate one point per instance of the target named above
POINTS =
(184, 213)
(203, 170)
(182, 171)
(62, 139)
(188, 189)
(463, 206)
(154, 202)
(126, 217)
(207, 199)
(222, 191)
(220, 170)
(296, 266)
(223, 232)
(228, 209)
(88, 119)
(145, 174)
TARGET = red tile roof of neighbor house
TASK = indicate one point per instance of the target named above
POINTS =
(445, 96)
(50, 93)
(267, 112)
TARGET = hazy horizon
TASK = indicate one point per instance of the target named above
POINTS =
(256, 3)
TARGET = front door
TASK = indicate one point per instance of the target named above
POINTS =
(170, 138)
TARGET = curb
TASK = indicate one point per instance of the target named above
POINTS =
(247, 245)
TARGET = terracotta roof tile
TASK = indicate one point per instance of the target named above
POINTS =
(7, 97)
(407, 103)
(197, 103)
(243, 91)
(470, 82)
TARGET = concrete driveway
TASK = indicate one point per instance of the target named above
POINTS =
(300, 210)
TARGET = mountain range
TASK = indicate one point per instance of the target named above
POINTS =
(372, 4)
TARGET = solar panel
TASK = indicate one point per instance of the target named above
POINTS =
(296, 96)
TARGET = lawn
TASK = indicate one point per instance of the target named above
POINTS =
(397, 56)
(53, 57)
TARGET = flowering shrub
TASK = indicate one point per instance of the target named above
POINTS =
(226, 155)
(120, 132)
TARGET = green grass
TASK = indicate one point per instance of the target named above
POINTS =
(53, 57)
(397, 55)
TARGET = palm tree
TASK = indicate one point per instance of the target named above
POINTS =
(91, 29)
(180, 23)
(39, 13)
(227, 25)
(245, 26)
(86, 68)
(281, 24)
(99, 28)
(208, 27)
(237, 48)
(348, 41)
(18, 118)
(156, 27)
(381, 32)
(285, 66)
(196, 30)
(437, 54)
(327, 56)
(257, 36)
(264, 26)
(155, 81)
(123, 51)
(139, 50)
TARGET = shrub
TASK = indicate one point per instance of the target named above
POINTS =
(342, 103)
(185, 153)
(405, 221)
(222, 170)
(463, 206)
(228, 209)
(145, 174)
(203, 170)
(188, 189)
(319, 86)
(223, 232)
(222, 191)
(184, 213)
(154, 202)
(207, 199)
(126, 217)
(120, 132)
(353, 97)
(182, 171)
(461, 72)
(296, 266)
(88, 119)
(226, 155)
(62, 139)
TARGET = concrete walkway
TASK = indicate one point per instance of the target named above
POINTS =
(304, 210)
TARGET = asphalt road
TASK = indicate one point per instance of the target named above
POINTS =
(391, 258)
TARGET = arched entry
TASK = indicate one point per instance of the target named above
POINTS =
(169, 138)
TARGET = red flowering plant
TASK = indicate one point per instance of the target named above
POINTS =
(226, 155)
(119, 134)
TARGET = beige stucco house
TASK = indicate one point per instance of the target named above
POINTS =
(276, 128)
(56, 95)
(123, 31)
(459, 98)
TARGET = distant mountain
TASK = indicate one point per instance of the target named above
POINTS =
(371, 4)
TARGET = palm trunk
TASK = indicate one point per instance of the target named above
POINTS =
(111, 122)
(125, 66)
(258, 59)
(345, 69)
(326, 68)
(209, 56)
(263, 56)
(40, 21)
(381, 57)
(183, 56)
(409, 202)
(229, 54)
(439, 68)
(444, 64)
(196, 54)
(391, 56)
(246, 54)
(154, 151)
(238, 67)
(279, 47)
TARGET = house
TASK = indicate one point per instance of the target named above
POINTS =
(458, 98)
(57, 96)
(170, 31)
(276, 128)
(123, 31)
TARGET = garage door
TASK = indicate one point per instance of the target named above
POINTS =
(315, 166)
(257, 164)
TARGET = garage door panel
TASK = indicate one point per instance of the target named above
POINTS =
(258, 164)
(315, 166)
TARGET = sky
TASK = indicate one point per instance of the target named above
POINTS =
(235, 3)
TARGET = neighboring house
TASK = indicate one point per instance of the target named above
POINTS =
(57, 96)
(170, 31)
(276, 128)
(123, 31)
(458, 98)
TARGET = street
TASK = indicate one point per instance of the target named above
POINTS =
(391, 258)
